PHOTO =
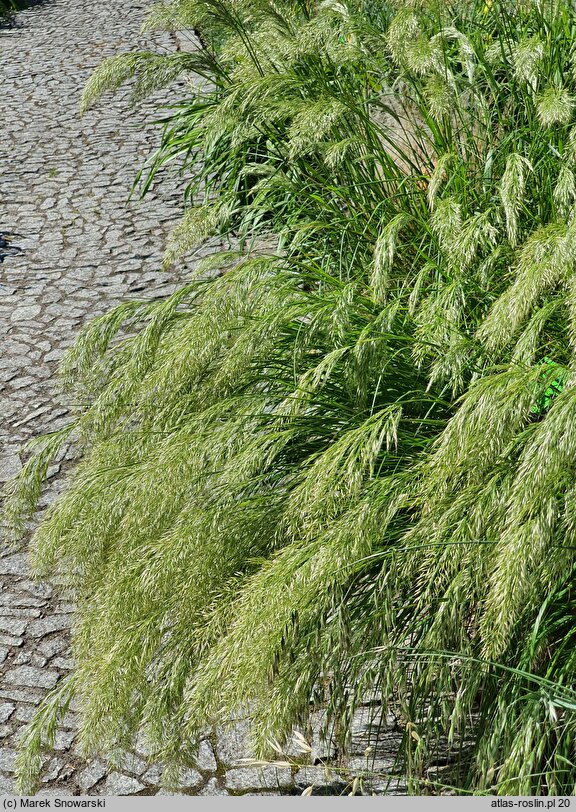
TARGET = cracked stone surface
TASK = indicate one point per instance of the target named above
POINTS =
(72, 247)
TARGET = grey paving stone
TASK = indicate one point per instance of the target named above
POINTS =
(28, 312)
(323, 748)
(393, 786)
(189, 778)
(53, 646)
(10, 465)
(22, 695)
(130, 763)
(15, 599)
(37, 661)
(38, 588)
(23, 383)
(31, 677)
(24, 713)
(142, 745)
(16, 564)
(22, 658)
(370, 765)
(213, 787)
(65, 607)
(258, 778)
(63, 663)
(6, 784)
(118, 784)
(6, 711)
(63, 739)
(7, 759)
(153, 775)
(19, 611)
(205, 759)
(54, 623)
(12, 625)
(233, 743)
(71, 720)
(53, 770)
(92, 774)
(298, 748)
(316, 776)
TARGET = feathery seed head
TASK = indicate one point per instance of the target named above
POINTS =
(565, 191)
(527, 57)
(338, 152)
(439, 96)
(384, 252)
(571, 307)
(438, 176)
(198, 223)
(313, 123)
(493, 54)
(112, 74)
(404, 30)
(555, 105)
(335, 7)
(478, 234)
(512, 189)
(545, 259)
(446, 223)
(570, 147)
(422, 56)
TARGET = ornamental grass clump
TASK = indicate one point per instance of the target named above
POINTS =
(350, 456)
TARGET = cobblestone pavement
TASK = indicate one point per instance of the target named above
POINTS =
(70, 248)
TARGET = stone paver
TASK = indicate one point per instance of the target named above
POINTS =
(205, 760)
(265, 777)
(33, 677)
(91, 775)
(118, 784)
(6, 711)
